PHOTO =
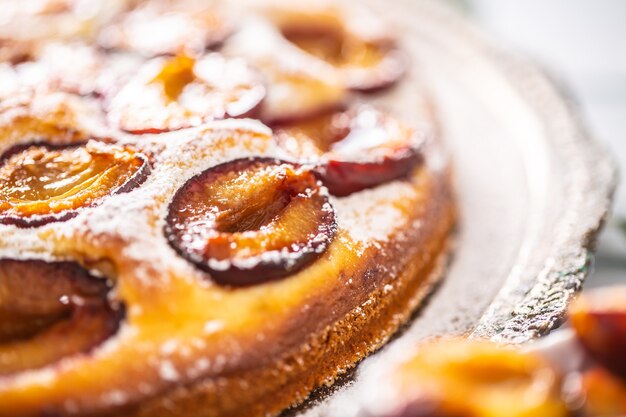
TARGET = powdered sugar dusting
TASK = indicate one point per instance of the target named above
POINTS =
(369, 215)
(167, 371)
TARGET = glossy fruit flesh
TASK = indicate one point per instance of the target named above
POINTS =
(603, 393)
(299, 85)
(182, 92)
(294, 96)
(599, 319)
(40, 183)
(31, 294)
(49, 311)
(477, 379)
(367, 64)
(251, 220)
(358, 149)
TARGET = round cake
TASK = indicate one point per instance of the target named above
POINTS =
(204, 208)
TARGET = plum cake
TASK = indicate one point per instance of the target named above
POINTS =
(206, 208)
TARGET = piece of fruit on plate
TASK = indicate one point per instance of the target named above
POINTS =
(453, 377)
(355, 149)
(38, 21)
(299, 85)
(42, 183)
(599, 319)
(47, 67)
(49, 311)
(178, 92)
(251, 220)
(353, 41)
(602, 393)
(163, 27)
(27, 115)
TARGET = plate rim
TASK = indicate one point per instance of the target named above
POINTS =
(528, 307)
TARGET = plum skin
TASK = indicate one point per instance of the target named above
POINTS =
(599, 320)
(264, 266)
(346, 177)
(340, 170)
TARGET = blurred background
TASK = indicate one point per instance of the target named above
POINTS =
(581, 44)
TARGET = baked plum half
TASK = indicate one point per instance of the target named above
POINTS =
(474, 378)
(179, 92)
(356, 149)
(164, 27)
(604, 393)
(49, 311)
(251, 220)
(599, 319)
(49, 68)
(299, 85)
(367, 56)
(42, 183)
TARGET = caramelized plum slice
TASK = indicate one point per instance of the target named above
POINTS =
(251, 220)
(49, 68)
(358, 149)
(29, 115)
(604, 394)
(164, 27)
(298, 85)
(49, 311)
(14, 51)
(455, 377)
(367, 59)
(41, 21)
(44, 183)
(181, 92)
(599, 319)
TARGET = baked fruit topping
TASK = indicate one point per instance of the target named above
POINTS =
(14, 51)
(604, 393)
(599, 319)
(367, 59)
(165, 27)
(28, 22)
(179, 92)
(28, 116)
(298, 85)
(251, 220)
(49, 67)
(43, 183)
(49, 311)
(461, 378)
(357, 149)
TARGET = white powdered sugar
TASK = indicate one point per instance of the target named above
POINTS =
(167, 371)
(369, 215)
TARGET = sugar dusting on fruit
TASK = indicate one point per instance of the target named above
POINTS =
(251, 220)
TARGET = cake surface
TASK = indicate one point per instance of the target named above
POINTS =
(202, 215)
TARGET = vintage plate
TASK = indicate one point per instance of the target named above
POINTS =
(533, 191)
